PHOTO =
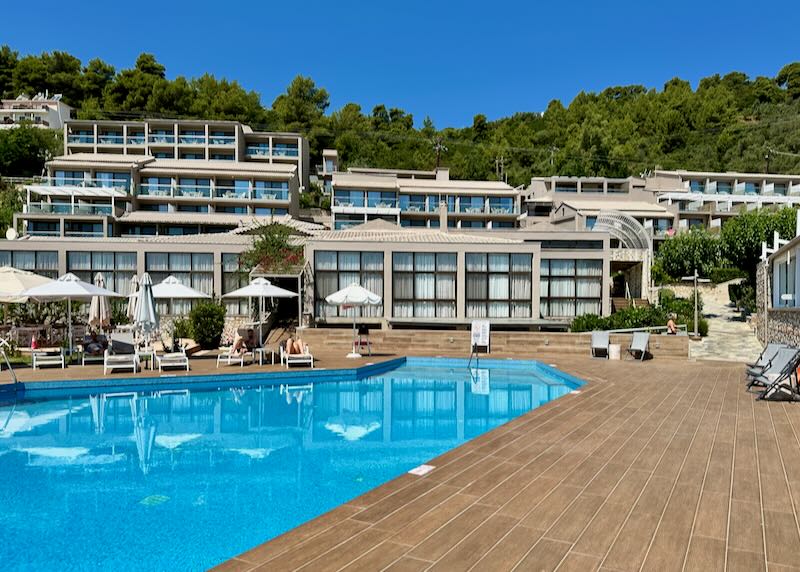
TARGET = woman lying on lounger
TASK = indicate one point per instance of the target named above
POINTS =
(295, 346)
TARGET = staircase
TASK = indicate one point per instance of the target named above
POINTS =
(618, 304)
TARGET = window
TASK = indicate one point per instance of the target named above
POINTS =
(192, 209)
(221, 156)
(271, 190)
(284, 150)
(336, 270)
(199, 156)
(471, 204)
(413, 203)
(257, 149)
(785, 288)
(569, 288)
(779, 189)
(113, 180)
(348, 198)
(68, 178)
(329, 167)
(590, 220)
(501, 205)
(118, 268)
(724, 187)
(697, 186)
(752, 188)
(44, 262)
(502, 224)
(192, 269)
(498, 285)
(381, 199)
(473, 224)
(233, 278)
(164, 155)
(268, 211)
(232, 210)
(80, 228)
(159, 208)
(192, 187)
(572, 245)
(345, 221)
(424, 285)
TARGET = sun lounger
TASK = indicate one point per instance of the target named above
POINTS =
(43, 357)
(640, 343)
(778, 386)
(227, 356)
(122, 353)
(288, 359)
(781, 362)
(88, 356)
(600, 341)
(767, 355)
(172, 359)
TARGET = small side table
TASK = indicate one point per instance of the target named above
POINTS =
(148, 356)
(260, 353)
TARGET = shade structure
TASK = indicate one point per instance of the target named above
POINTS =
(354, 295)
(261, 288)
(133, 297)
(171, 288)
(146, 317)
(68, 287)
(100, 309)
(13, 282)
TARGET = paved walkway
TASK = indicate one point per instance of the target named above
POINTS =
(729, 337)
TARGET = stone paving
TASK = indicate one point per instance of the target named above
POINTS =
(729, 338)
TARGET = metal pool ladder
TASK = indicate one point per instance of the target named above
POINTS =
(10, 369)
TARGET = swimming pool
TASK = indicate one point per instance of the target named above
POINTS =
(185, 476)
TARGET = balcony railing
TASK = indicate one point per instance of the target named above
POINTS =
(382, 203)
(136, 139)
(413, 207)
(222, 139)
(110, 139)
(69, 209)
(82, 139)
(88, 183)
(284, 152)
(253, 151)
(472, 209)
(271, 194)
(192, 139)
(155, 190)
(83, 233)
(161, 138)
(348, 202)
(231, 193)
(34, 232)
(193, 191)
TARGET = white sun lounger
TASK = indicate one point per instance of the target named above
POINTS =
(288, 359)
(121, 354)
(172, 359)
(40, 358)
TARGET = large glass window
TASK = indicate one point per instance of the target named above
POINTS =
(108, 179)
(336, 270)
(271, 190)
(118, 268)
(233, 278)
(348, 198)
(191, 269)
(43, 262)
(498, 285)
(68, 178)
(381, 199)
(424, 285)
(569, 288)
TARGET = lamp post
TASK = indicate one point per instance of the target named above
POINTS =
(695, 278)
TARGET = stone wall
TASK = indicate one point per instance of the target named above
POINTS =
(783, 326)
(761, 302)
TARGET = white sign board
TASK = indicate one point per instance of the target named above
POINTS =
(480, 334)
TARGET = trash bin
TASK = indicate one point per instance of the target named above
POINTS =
(613, 351)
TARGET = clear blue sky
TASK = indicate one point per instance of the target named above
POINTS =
(448, 60)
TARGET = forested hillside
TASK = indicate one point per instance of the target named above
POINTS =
(730, 122)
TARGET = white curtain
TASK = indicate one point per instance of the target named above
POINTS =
(476, 309)
(424, 262)
(424, 286)
(325, 260)
(403, 309)
(498, 286)
(446, 262)
(79, 261)
(349, 261)
(446, 309)
(403, 262)
(446, 287)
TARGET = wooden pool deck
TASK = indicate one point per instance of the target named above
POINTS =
(661, 465)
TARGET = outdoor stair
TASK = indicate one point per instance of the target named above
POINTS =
(618, 304)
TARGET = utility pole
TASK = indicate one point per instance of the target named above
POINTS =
(552, 154)
(500, 168)
(439, 147)
(767, 157)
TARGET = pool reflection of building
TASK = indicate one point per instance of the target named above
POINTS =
(164, 430)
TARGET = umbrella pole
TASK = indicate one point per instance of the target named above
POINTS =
(354, 353)
(69, 327)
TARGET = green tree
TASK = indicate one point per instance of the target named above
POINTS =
(679, 255)
(742, 235)
(789, 78)
(24, 150)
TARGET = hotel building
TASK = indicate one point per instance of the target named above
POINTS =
(414, 199)
(41, 111)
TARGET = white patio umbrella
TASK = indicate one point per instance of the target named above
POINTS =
(261, 288)
(13, 282)
(146, 317)
(354, 295)
(68, 287)
(100, 309)
(171, 288)
(133, 297)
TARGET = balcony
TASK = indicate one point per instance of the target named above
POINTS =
(69, 209)
(351, 202)
(184, 139)
(279, 150)
(382, 203)
(236, 193)
(155, 190)
(161, 139)
(227, 140)
(110, 139)
(271, 194)
(136, 139)
(565, 189)
(193, 191)
(257, 151)
(122, 185)
(80, 139)
(414, 207)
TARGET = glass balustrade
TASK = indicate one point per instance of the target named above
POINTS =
(222, 139)
(257, 151)
(82, 138)
(69, 209)
(193, 191)
(136, 139)
(192, 139)
(161, 138)
(231, 193)
(155, 189)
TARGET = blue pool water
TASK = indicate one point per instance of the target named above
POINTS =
(185, 478)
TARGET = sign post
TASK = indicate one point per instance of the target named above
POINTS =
(480, 335)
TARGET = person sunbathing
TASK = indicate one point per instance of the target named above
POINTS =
(238, 345)
(295, 346)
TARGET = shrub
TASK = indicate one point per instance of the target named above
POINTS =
(680, 255)
(724, 274)
(659, 275)
(208, 320)
(743, 296)
(588, 323)
(182, 328)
